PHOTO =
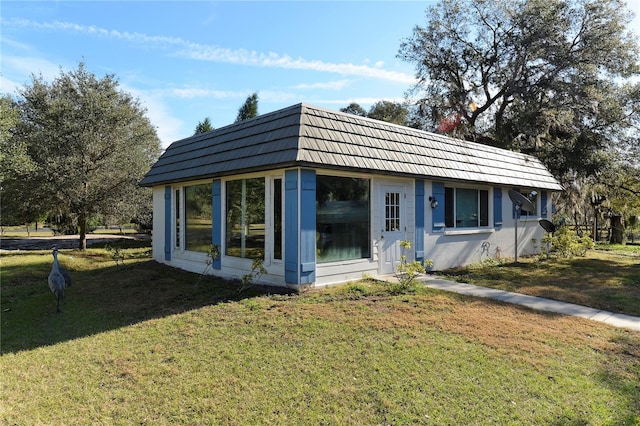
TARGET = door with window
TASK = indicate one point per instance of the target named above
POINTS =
(393, 227)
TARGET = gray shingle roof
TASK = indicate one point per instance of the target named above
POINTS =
(304, 135)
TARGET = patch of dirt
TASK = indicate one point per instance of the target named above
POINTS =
(61, 241)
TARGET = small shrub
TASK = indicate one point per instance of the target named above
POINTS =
(257, 269)
(566, 244)
(213, 253)
(406, 272)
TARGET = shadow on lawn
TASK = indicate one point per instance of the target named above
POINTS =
(105, 299)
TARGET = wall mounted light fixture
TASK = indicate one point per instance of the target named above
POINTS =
(434, 202)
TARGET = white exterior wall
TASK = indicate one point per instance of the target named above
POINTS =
(157, 240)
(447, 249)
(460, 247)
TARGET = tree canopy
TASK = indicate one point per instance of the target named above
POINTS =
(249, 108)
(554, 78)
(548, 77)
(391, 112)
(355, 109)
(89, 143)
(203, 126)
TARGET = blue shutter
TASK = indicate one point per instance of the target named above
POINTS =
(167, 223)
(216, 220)
(307, 226)
(419, 220)
(543, 202)
(437, 191)
(497, 207)
(291, 227)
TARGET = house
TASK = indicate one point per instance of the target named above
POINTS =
(324, 197)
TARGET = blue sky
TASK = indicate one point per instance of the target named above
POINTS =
(187, 60)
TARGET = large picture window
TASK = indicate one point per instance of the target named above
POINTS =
(466, 208)
(245, 232)
(343, 225)
(198, 218)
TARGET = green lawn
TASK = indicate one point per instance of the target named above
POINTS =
(141, 343)
(606, 278)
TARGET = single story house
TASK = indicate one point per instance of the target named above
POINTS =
(325, 197)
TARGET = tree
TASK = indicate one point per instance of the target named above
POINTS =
(18, 203)
(90, 143)
(391, 112)
(203, 126)
(355, 109)
(548, 77)
(249, 109)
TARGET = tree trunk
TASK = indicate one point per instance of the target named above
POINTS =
(82, 223)
(617, 229)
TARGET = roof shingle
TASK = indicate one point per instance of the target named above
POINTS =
(310, 136)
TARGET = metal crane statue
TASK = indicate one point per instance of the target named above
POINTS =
(59, 279)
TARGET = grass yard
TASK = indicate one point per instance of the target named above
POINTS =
(141, 343)
(607, 278)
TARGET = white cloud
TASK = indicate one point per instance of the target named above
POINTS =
(199, 51)
(27, 65)
(8, 86)
(190, 93)
(329, 85)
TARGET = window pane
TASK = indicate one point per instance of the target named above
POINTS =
(343, 228)
(245, 218)
(177, 221)
(277, 218)
(198, 219)
(484, 208)
(392, 212)
(449, 204)
(466, 208)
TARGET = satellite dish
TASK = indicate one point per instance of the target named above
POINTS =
(521, 201)
(547, 225)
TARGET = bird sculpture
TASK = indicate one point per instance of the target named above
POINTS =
(59, 280)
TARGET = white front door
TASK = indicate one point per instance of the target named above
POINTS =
(393, 227)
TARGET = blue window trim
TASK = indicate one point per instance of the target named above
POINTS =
(307, 226)
(167, 222)
(216, 220)
(497, 207)
(543, 204)
(437, 191)
(291, 263)
(419, 245)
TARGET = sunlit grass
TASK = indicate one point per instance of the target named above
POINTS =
(142, 343)
(603, 279)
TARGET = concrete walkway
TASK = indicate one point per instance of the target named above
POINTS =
(533, 302)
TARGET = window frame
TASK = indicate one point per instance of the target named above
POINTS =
(184, 222)
(266, 188)
(483, 208)
(320, 231)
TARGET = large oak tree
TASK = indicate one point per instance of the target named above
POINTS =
(554, 78)
(90, 144)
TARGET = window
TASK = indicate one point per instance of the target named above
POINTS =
(277, 219)
(245, 232)
(466, 208)
(343, 229)
(198, 219)
(392, 211)
(177, 221)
